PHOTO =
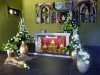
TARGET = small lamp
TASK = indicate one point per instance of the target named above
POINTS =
(14, 11)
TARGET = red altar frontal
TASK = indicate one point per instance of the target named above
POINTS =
(51, 42)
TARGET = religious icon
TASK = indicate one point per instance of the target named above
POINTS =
(43, 11)
(87, 11)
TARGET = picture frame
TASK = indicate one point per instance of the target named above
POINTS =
(87, 11)
(43, 13)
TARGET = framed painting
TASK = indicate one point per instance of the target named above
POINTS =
(86, 10)
(43, 12)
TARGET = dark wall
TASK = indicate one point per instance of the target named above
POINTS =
(8, 23)
(29, 12)
(90, 33)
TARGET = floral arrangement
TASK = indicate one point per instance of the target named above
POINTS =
(22, 35)
(68, 26)
(71, 26)
(12, 45)
(23, 65)
(9, 46)
(84, 56)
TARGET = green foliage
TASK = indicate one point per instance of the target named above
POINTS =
(22, 35)
(69, 47)
(9, 46)
(68, 26)
(23, 65)
(1, 47)
(66, 49)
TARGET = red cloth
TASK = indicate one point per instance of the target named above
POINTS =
(58, 40)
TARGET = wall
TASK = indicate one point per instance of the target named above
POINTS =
(90, 33)
(29, 15)
(8, 23)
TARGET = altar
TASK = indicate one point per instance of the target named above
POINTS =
(51, 43)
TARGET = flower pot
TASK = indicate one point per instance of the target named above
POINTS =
(23, 48)
(9, 52)
(82, 66)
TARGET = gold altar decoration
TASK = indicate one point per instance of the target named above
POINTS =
(23, 48)
(61, 49)
(61, 46)
(44, 48)
(52, 47)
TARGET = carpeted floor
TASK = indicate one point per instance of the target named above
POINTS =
(41, 65)
(45, 65)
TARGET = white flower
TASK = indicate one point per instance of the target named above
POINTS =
(10, 48)
(6, 47)
(23, 65)
(11, 39)
(17, 34)
(14, 37)
(87, 62)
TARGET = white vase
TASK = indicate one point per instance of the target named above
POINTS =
(82, 66)
(23, 48)
(9, 52)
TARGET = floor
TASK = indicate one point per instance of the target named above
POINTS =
(42, 65)
(46, 65)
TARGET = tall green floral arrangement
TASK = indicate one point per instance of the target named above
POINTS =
(68, 27)
(22, 35)
(75, 47)
(12, 44)
(71, 26)
(9, 46)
